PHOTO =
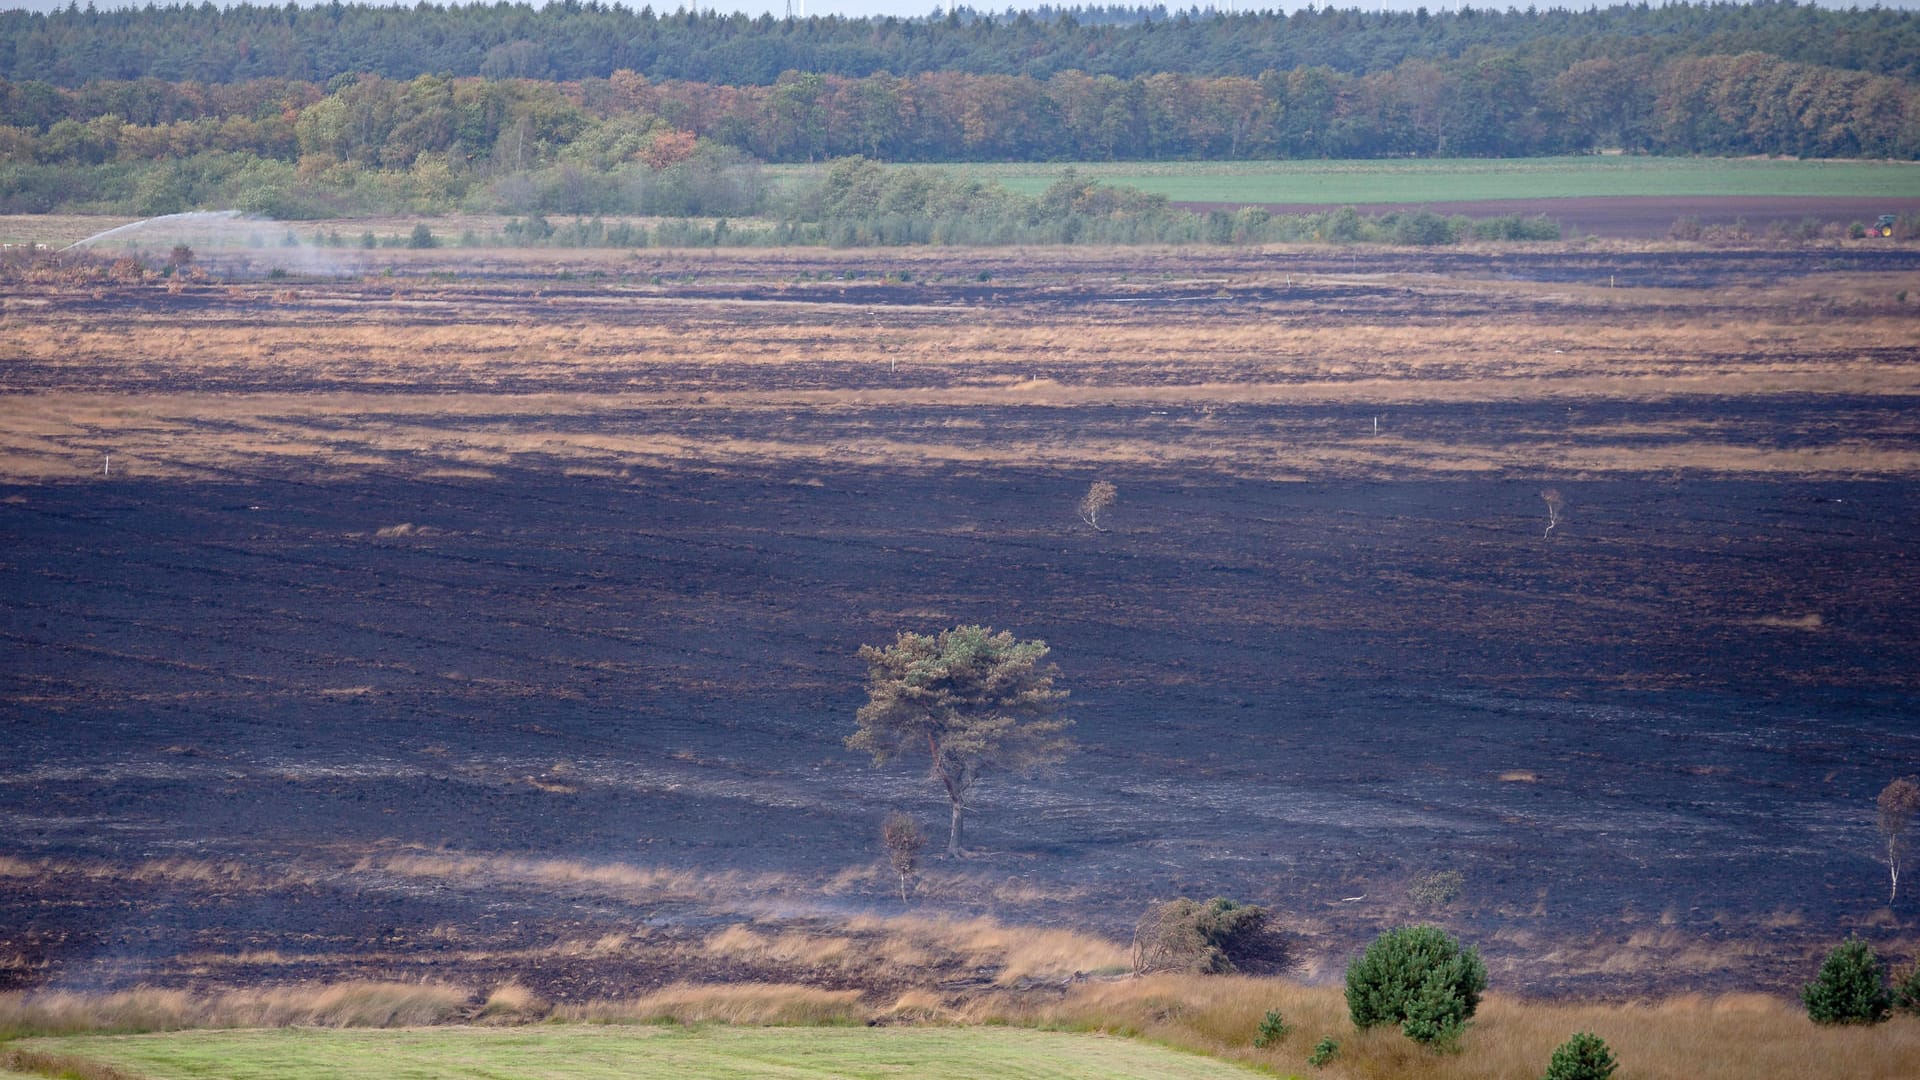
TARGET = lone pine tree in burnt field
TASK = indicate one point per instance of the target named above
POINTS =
(976, 701)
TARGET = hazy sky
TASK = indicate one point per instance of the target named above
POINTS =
(922, 7)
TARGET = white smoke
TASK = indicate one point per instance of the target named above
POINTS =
(225, 243)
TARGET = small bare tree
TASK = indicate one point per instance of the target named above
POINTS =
(1098, 498)
(902, 838)
(1555, 504)
(1898, 802)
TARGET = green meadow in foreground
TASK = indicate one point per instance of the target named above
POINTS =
(1336, 183)
(550, 1052)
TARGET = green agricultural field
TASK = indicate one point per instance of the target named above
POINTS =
(1334, 183)
(632, 1053)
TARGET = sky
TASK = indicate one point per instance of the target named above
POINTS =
(923, 7)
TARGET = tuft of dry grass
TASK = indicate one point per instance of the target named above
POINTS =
(1810, 621)
(225, 874)
(353, 1004)
(919, 1006)
(62, 1012)
(350, 1004)
(511, 1002)
(763, 1004)
(1014, 953)
(793, 948)
(622, 878)
(907, 947)
(62, 1066)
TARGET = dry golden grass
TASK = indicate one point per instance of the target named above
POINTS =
(396, 434)
(350, 1004)
(1743, 1036)
(224, 874)
(1014, 953)
(340, 351)
(736, 1003)
(1738, 1037)
(623, 878)
(907, 947)
(62, 1066)
(511, 1001)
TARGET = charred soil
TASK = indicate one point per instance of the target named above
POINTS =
(433, 627)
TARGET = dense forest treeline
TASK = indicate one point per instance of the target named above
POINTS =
(452, 134)
(569, 41)
(1471, 85)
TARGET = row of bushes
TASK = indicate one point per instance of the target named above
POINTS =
(1345, 226)
(858, 203)
(712, 180)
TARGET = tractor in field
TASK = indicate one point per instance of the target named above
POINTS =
(1882, 226)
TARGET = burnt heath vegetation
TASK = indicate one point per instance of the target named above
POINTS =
(475, 639)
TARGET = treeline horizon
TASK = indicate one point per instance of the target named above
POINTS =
(570, 41)
(473, 128)
(628, 143)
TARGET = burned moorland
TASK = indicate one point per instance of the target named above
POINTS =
(493, 614)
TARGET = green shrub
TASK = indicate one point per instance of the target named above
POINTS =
(1423, 228)
(1850, 989)
(1583, 1057)
(1343, 227)
(1515, 227)
(1906, 990)
(1420, 978)
(1323, 1052)
(1273, 1030)
(422, 237)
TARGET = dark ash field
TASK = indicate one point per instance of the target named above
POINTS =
(500, 620)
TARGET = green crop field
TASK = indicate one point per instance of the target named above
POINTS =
(1333, 183)
(632, 1053)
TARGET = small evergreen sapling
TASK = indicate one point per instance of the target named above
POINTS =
(1583, 1057)
(1906, 990)
(1420, 978)
(1850, 989)
(1323, 1052)
(1272, 1031)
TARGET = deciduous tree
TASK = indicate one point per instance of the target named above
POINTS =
(975, 700)
(1898, 802)
(904, 841)
(1099, 496)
